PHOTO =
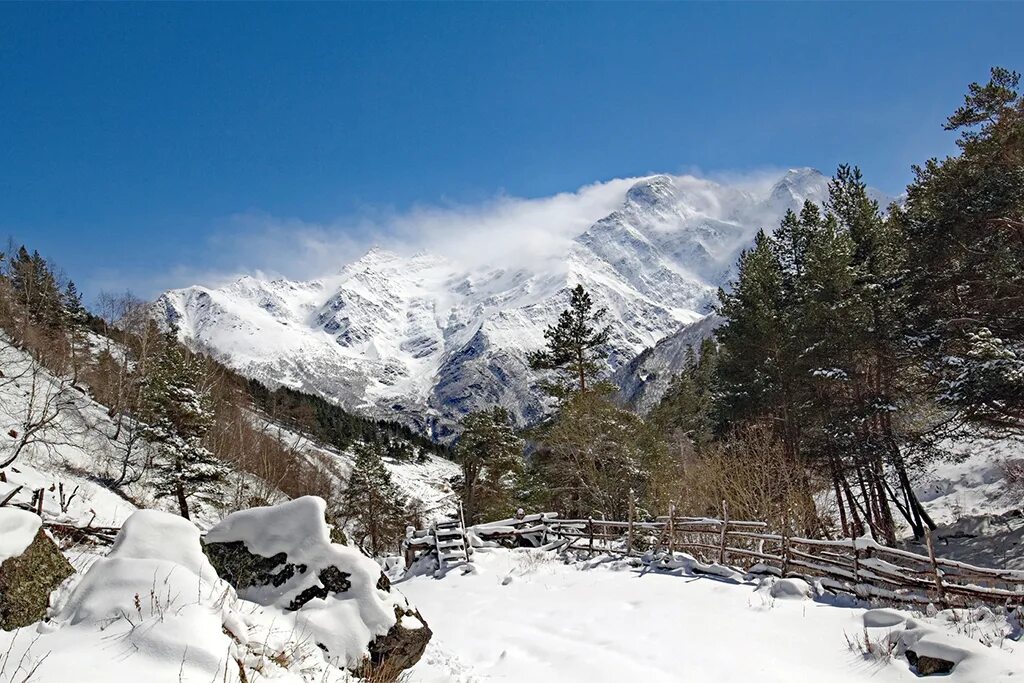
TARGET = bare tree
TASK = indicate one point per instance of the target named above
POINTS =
(37, 415)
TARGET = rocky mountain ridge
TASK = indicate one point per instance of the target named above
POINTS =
(426, 340)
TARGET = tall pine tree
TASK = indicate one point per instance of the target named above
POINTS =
(178, 413)
(490, 454)
(372, 502)
(575, 343)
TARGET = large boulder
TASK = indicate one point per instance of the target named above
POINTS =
(282, 556)
(31, 567)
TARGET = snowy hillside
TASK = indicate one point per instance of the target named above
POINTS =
(79, 453)
(428, 339)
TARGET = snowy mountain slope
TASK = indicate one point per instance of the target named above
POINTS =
(80, 452)
(428, 339)
(644, 380)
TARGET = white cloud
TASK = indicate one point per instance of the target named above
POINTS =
(503, 231)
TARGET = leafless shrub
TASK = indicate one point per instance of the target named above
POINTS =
(752, 473)
(881, 650)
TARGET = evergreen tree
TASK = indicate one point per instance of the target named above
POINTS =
(490, 454)
(758, 360)
(687, 410)
(36, 290)
(594, 453)
(178, 413)
(965, 223)
(372, 501)
(74, 320)
(574, 344)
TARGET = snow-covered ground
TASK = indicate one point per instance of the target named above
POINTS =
(977, 506)
(524, 615)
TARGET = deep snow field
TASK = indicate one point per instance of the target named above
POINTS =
(524, 615)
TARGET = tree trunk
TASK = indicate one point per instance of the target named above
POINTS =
(179, 491)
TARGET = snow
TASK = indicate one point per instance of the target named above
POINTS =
(971, 498)
(789, 589)
(884, 618)
(973, 661)
(138, 609)
(17, 529)
(74, 451)
(424, 339)
(296, 528)
(526, 616)
(154, 609)
(343, 623)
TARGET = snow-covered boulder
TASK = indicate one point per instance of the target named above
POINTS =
(791, 589)
(154, 609)
(282, 555)
(932, 648)
(31, 566)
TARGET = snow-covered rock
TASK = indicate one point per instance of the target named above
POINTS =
(17, 529)
(427, 340)
(282, 556)
(31, 566)
(155, 607)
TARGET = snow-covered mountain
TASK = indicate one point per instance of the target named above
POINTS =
(644, 380)
(427, 339)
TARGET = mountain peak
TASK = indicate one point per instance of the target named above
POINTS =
(798, 185)
(651, 191)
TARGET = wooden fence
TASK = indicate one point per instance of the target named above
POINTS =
(861, 566)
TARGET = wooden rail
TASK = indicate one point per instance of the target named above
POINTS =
(859, 566)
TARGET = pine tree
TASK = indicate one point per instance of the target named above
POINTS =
(757, 360)
(687, 410)
(594, 453)
(177, 413)
(965, 223)
(372, 501)
(74, 320)
(490, 454)
(35, 288)
(575, 343)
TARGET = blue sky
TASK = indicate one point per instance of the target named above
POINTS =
(149, 145)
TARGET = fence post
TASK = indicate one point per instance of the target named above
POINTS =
(935, 566)
(856, 561)
(629, 537)
(785, 551)
(590, 525)
(671, 530)
(725, 525)
(465, 536)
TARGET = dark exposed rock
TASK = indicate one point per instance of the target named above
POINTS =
(242, 569)
(327, 571)
(401, 647)
(332, 580)
(27, 580)
(928, 666)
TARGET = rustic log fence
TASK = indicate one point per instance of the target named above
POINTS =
(861, 566)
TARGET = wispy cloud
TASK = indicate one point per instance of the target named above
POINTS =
(503, 231)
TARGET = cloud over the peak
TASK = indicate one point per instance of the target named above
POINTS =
(504, 231)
